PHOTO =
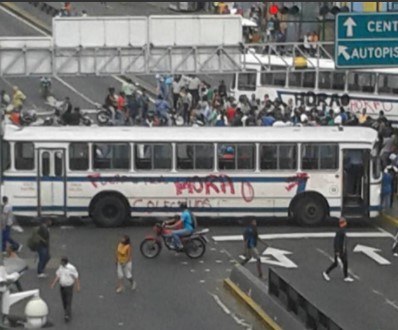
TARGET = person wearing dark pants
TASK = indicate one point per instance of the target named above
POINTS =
(251, 238)
(43, 248)
(340, 252)
(68, 278)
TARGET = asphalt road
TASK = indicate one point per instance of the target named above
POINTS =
(371, 302)
(173, 292)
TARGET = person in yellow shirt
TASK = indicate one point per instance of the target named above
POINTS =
(363, 117)
(124, 264)
(18, 98)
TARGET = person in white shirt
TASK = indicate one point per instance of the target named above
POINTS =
(68, 278)
(7, 223)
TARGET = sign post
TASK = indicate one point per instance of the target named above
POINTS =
(366, 40)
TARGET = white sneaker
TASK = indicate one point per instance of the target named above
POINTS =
(396, 255)
(42, 275)
(349, 280)
(326, 277)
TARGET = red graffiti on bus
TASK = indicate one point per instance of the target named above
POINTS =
(215, 185)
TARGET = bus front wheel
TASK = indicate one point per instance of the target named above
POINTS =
(110, 211)
(310, 211)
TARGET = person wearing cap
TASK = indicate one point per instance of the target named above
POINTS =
(68, 278)
(340, 252)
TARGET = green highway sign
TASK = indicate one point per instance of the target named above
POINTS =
(366, 40)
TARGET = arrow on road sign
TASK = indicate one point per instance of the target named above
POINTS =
(372, 253)
(343, 51)
(350, 24)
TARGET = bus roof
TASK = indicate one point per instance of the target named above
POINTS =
(192, 134)
(255, 59)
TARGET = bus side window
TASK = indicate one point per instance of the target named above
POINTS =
(288, 157)
(278, 157)
(247, 81)
(246, 157)
(111, 156)
(78, 157)
(195, 157)
(320, 157)
(162, 159)
(269, 157)
(325, 79)
(388, 84)
(24, 156)
(143, 157)
(227, 157)
(339, 80)
(6, 156)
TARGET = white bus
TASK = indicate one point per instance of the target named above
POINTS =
(110, 174)
(319, 83)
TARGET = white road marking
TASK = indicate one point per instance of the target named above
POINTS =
(74, 90)
(372, 253)
(219, 261)
(228, 312)
(25, 22)
(270, 237)
(207, 271)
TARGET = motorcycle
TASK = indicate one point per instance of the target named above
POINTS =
(194, 245)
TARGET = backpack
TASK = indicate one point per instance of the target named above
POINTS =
(194, 220)
(34, 240)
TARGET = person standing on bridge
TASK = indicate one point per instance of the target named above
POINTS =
(340, 253)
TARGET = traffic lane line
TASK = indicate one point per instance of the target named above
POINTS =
(302, 236)
(11, 27)
(26, 17)
(264, 317)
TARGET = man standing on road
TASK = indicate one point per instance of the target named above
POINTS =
(340, 252)
(7, 223)
(43, 248)
(68, 278)
(251, 239)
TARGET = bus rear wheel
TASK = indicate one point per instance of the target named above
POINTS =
(310, 211)
(110, 212)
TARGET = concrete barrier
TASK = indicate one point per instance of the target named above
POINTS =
(254, 293)
(297, 304)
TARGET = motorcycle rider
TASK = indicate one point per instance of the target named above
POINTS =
(186, 223)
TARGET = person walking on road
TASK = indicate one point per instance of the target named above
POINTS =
(43, 248)
(7, 223)
(124, 264)
(68, 278)
(251, 238)
(340, 253)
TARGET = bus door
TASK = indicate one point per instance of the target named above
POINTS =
(356, 182)
(51, 182)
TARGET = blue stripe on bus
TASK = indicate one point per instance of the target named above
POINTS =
(176, 210)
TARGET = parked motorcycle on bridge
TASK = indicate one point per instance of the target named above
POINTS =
(194, 245)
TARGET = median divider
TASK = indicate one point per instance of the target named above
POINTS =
(254, 293)
(391, 219)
